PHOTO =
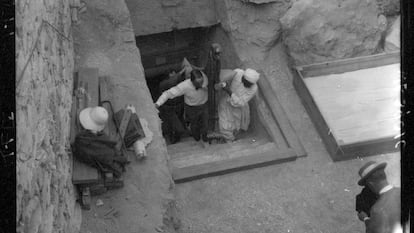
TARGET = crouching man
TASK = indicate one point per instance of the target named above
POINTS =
(233, 108)
(93, 147)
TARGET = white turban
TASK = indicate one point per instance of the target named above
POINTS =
(251, 75)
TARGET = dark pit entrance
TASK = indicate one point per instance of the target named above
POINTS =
(164, 52)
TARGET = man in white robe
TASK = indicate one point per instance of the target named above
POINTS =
(233, 107)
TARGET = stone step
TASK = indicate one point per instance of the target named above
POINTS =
(198, 166)
(196, 149)
(188, 144)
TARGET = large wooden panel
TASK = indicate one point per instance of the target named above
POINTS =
(358, 103)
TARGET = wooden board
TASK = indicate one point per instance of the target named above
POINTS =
(280, 116)
(266, 155)
(84, 174)
(88, 81)
(270, 125)
(359, 105)
(356, 110)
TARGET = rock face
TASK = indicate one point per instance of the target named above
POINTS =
(322, 30)
(155, 16)
(45, 198)
(252, 26)
(389, 7)
(392, 40)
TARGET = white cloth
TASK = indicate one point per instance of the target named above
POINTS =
(251, 75)
(385, 189)
(192, 96)
(141, 144)
(234, 111)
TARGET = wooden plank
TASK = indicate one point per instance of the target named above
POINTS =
(73, 112)
(359, 105)
(280, 116)
(89, 76)
(84, 174)
(269, 123)
(320, 124)
(259, 159)
(350, 64)
(218, 150)
(88, 81)
(367, 148)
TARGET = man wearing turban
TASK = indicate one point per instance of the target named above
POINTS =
(233, 109)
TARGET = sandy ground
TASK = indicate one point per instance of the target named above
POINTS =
(311, 194)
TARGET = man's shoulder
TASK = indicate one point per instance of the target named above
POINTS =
(389, 200)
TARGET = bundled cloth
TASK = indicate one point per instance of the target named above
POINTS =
(98, 150)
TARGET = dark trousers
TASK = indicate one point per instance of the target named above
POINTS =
(198, 118)
(172, 124)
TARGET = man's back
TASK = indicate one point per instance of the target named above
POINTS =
(386, 212)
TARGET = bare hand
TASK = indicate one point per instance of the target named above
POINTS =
(218, 86)
(362, 215)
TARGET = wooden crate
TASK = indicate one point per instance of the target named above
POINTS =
(353, 103)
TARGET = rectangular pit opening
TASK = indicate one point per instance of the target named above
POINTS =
(164, 52)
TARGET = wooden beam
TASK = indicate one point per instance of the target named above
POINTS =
(262, 157)
(88, 81)
(316, 116)
(269, 123)
(350, 64)
(366, 148)
(89, 77)
(280, 116)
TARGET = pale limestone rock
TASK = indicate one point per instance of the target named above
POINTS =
(392, 40)
(323, 30)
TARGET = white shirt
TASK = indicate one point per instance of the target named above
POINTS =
(192, 96)
(385, 189)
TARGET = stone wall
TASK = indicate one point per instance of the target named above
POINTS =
(45, 198)
(155, 16)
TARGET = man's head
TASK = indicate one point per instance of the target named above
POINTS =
(197, 78)
(373, 175)
(250, 77)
